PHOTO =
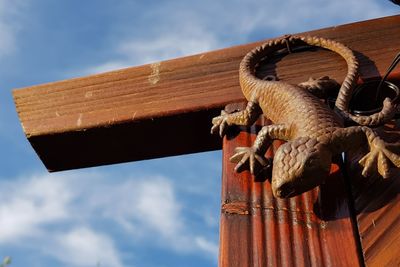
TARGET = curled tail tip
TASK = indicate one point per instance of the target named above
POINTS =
(388, 103)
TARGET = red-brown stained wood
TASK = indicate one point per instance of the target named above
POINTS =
(377, 204)
(313, 229)
(165, 108)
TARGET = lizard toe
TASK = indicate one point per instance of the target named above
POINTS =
(247, 158)
(369, 163)
(380, 160)
(383, 165)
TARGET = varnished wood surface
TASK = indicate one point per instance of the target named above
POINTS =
(377, 204)
(165, 108)
(258, 230)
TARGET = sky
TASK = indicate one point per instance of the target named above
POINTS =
(162, 212)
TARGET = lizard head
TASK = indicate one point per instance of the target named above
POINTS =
(299, 165)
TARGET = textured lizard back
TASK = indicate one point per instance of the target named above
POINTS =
(293, 106)
(289, 104)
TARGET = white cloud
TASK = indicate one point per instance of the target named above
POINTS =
(31, 207)
(207, 246)
(84, 247)
(10, 16)
(157, 207)
(28, 205)
(167, 46)
(203, 26)
(7, 39)
(293, 15)
(58, 211)
(108, 66)
(148, 209)
(139, 203)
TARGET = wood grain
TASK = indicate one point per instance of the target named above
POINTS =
(165, 108)
(257, 230)
(377, 204)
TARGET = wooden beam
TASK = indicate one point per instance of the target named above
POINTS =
(165, 108)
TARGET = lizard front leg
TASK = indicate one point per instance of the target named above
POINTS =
(245, 117)
(253, 157)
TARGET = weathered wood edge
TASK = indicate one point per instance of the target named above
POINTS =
(165, 108)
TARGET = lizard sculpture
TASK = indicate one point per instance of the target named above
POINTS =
(314, 133)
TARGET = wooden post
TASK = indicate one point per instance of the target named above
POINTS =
(313, 229)
(377, 206)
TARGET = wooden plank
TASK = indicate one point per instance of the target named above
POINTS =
(165, 108)
(377, 205)
(256, 229)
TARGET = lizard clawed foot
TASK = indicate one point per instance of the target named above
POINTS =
(379, 158)
(220, 123)
(248, 157)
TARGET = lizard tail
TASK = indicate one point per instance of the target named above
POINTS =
(349, 82)
(247, 69)
(388, 112)
(249, 81)
(348, 85)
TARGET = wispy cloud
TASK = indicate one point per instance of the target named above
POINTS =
(83, 247)
(29, 208)
(291, 16)
(148, 209)
(203, 26)
(207, 246)
(139, 204)
(50, 210)
(170, 45)
(10, 16)
(26, 206)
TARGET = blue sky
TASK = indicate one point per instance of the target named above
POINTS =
(162, 212)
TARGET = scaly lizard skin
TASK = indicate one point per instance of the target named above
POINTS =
(314, 133)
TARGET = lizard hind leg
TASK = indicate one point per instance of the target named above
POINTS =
(323, 87)
(381, 156)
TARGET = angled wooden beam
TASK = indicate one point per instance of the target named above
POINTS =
(165, 108)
